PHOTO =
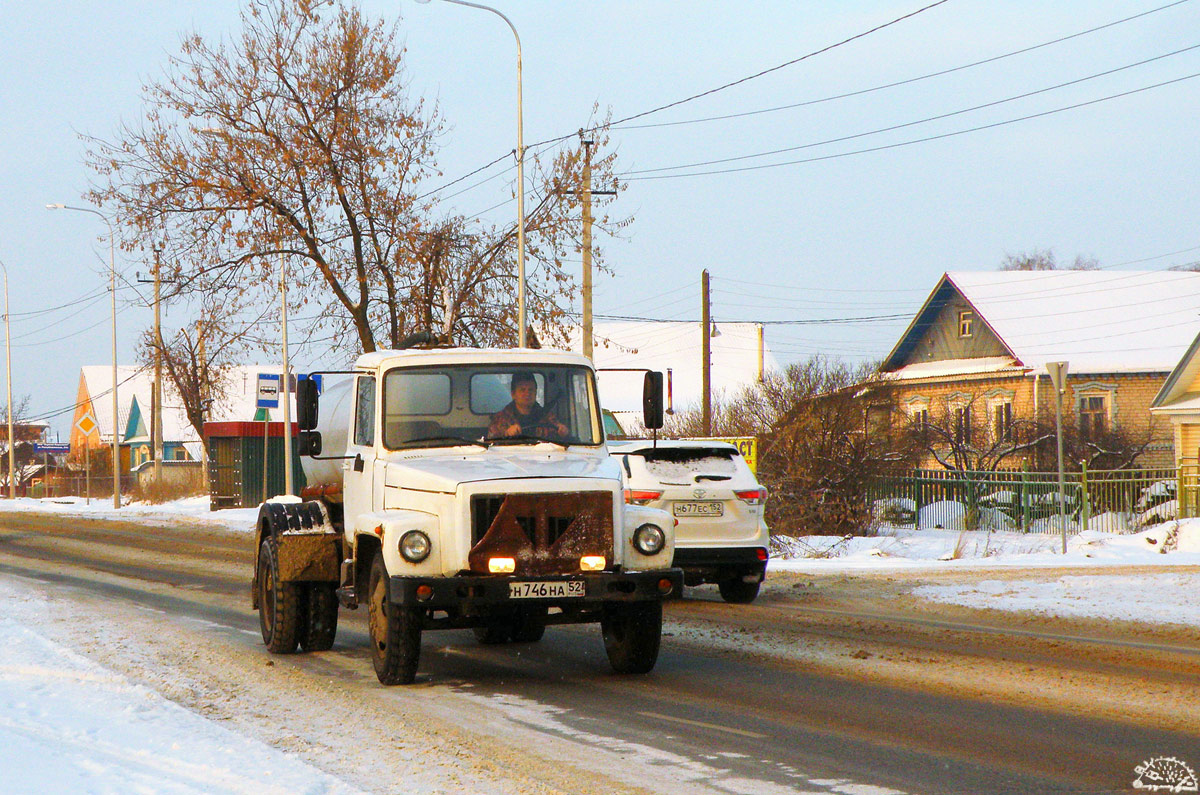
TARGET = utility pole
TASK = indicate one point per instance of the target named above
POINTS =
(706, 352)
(203, 372)
(761, 353)
(157, 397)
(585, 197)
(587, 245)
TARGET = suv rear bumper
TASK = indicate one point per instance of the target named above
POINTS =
(471, 593)
(713, 564)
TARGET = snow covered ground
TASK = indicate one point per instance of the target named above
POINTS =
(69, 725)
(194, 510)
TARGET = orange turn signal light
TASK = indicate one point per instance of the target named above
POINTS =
(424, 592)
(664, 586)
(502, 565)
(592, 563)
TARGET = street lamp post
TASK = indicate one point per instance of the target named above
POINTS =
(12, 485)
(521, 332)
(112, 286)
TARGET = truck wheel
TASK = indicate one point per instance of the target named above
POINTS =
(530, 625)
(279, 608)
(499, 630)
(737, 592)
(321, 605)
(395, 631)
(631, 636)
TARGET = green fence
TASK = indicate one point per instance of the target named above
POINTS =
(1109, 500)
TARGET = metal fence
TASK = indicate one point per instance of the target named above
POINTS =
(1109, 500)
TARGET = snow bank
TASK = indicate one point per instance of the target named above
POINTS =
(193, 510)
(69, 725)
(1168, 544)
(1166, 598)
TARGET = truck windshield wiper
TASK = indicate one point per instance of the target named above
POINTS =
(447, 438)
(522, 438)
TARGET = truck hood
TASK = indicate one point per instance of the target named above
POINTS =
(444, 473)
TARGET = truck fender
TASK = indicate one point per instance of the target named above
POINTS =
(635, 517)
(308, 545)
(385, 528)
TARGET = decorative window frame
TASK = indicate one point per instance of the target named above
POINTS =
(1096, 389)
(966, 320)
(998, 396)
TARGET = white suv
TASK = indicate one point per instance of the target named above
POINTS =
(720, 534)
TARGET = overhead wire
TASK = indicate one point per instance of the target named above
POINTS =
(926, 120)
(910, 80)
(926, 139)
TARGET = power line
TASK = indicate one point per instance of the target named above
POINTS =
(907, 81)
(697, 96)
(900, 144)
(925, 120)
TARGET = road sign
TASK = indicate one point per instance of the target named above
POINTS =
(268, 391)
(54, 448)
(87, 424)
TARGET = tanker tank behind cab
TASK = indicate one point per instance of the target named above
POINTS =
(333, 423)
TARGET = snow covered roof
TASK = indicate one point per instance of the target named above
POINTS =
(674, 345)
(941, 369)
(1097, 321)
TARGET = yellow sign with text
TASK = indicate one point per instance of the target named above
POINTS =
(746, 445)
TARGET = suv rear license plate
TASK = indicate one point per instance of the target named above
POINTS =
(706, 508)
(546, 590)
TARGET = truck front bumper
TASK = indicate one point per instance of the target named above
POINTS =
(469, 594)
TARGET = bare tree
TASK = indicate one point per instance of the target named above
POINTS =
(961, 435)
(299, 137)
(824, 436)
(1045, 260)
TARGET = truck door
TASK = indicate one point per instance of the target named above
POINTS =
(359, 468)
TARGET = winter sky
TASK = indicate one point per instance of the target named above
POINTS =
(849, 236)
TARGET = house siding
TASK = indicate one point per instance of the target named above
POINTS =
(941, 341)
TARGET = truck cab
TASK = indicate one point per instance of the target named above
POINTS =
(461, 488)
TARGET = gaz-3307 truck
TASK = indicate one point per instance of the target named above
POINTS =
(416, 510)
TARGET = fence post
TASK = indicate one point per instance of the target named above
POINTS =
(1085, 510)
(1023, 496)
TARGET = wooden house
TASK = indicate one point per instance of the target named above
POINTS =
(974, 358)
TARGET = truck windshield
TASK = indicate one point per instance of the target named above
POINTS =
(440, 406)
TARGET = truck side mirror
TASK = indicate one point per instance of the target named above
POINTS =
(652, 401)
(309, 443)
(306, 404)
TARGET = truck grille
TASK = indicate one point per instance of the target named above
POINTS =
(544, 533)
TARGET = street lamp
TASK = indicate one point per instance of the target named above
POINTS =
(12, 486)
(521, 334)
(112, 286)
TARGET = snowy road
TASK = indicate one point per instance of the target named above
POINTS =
(827, 684)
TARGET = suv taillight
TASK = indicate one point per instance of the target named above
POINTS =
(752, 496)
(638, 497)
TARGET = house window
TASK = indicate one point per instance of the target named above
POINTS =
(965, 319)
(1002, 422)
(1093, 415)
(920, 420)
(962, 424)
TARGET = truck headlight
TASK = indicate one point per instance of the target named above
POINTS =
(649, 539)
(415, 546)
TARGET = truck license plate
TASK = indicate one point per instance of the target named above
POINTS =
(706, 508)
(545, 590)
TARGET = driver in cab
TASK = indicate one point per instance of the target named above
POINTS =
(524, 416)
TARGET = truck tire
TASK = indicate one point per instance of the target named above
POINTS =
(530, 625)
(321, 614)
(496, 631)
(395, 630)
(279, 608)
(738, 592)
(631, 636)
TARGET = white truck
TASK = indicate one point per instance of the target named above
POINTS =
(436, 510)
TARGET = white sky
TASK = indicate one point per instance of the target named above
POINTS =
(852, 236)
